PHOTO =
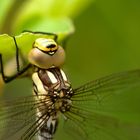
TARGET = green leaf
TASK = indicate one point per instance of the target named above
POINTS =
(59, 26)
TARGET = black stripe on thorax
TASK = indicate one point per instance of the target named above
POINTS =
(47, 81)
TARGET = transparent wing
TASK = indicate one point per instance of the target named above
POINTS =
(18, 119)
(106, 109)
(111, 83)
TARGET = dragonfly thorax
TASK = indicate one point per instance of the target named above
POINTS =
(46, 53)
(52, 85)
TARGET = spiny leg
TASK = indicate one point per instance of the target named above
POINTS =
(45, 33)
(18, 60)
(17, 55)
(7, 79)
(64, 42)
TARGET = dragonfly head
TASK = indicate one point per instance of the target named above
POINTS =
(48, 46)
(46, 53)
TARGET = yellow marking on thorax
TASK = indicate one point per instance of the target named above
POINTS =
(52, 77)
(63, 75)
(39, 84)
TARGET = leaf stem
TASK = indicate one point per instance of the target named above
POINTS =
(11, 15)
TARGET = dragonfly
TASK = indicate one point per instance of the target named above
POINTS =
(54, 101)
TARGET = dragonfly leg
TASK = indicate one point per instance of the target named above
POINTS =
(46, 33)
(64, 42)
(7, 79)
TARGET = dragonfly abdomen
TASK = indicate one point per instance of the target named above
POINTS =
(48, 129)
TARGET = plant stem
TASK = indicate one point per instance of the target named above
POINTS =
(11, 15)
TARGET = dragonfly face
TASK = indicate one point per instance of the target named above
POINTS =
(46, 53)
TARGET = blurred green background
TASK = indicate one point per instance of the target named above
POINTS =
(106, 38)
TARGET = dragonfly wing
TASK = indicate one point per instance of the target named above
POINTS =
(18, 119)
(111, 83)
(108, 107)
